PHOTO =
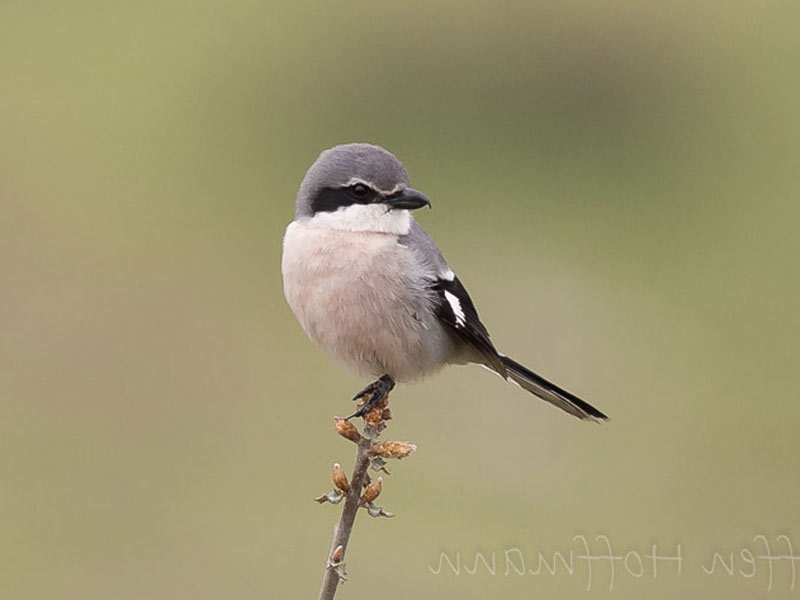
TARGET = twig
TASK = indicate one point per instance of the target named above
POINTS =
(369, 452)
(343, 529)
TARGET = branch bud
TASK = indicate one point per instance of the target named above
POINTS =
(340, 479)
(393, 449)
(373, 491)
(346, 429)
(375, 416)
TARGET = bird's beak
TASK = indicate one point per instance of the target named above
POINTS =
(407, 198)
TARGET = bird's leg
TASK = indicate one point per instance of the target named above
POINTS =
(375, 393)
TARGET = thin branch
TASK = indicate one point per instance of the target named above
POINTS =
(343, 529)
(369, 452)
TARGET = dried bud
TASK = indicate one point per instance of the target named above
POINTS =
(346, 429)
(387, 414)
(336, 562)
(340, 479)
(375, 416)
(373, 490)
(393, 449)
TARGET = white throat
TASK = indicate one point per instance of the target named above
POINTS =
(377, 218)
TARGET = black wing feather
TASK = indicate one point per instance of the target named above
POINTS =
(466, 324)
(457, 312)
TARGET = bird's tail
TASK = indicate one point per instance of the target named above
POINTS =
(550, 392)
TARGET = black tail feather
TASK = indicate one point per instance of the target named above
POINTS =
(550, 392)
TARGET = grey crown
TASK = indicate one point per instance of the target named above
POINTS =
(338, 165)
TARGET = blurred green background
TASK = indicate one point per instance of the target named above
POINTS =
(626, 174)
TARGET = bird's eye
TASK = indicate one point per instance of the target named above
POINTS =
(360, 190)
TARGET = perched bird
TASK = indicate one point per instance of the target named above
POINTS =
(369, 285)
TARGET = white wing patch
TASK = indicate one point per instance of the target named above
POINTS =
(455, 304)
(448, 275)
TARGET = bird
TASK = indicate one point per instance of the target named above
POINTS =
(370, 286)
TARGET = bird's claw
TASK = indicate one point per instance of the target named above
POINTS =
(373, 395)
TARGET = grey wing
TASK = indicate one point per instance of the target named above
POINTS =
(426, 250)
(452, 304)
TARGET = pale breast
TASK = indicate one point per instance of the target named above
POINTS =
(363, 297)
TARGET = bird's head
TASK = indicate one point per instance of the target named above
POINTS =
(358, 187)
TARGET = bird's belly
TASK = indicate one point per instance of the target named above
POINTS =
(362, 297)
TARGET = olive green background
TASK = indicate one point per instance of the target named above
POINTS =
(615, 183)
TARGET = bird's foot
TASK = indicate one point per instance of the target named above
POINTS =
(374, 396)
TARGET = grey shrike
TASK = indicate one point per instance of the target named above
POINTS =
(369, 285)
